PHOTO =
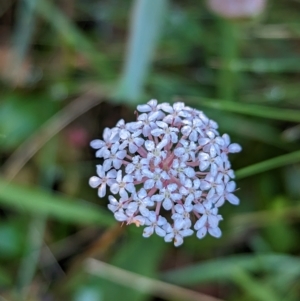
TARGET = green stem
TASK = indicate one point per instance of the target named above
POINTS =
(268, 165)
(227, 81)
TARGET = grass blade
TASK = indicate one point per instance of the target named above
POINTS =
(39, 202)
(145, 28)
(73, 36)
(210, 271)
(248, 109)
(268, 165)
(257, 290)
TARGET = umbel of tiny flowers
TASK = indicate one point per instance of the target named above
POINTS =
(168, 171)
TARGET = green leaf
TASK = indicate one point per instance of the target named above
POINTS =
(223, 269)
(10, 240)
(40, 202)
(257, 290)
(248, 128)
(73, 36)
(146, 25)
(25, 25)
(268, 165)
(17, 120)
(248, 109)
(261, 65)
(5, 278)
(138, 255)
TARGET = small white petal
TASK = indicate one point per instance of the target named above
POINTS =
(102, 191)
(230, 186)
(167, 204)
(234, 148)
(144, 108)
(231, 198)
(150, 146)
(178, 240)
(169, 237)
(149, 184)
(94, 182)
(201, 232)
(213, 221)
(96, 144)
(200, 222)
(148, 231)
(186, 232)
(216, 232)
(160, 232)
(114, 188)
(120, 216)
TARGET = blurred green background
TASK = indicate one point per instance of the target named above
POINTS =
(69, 69)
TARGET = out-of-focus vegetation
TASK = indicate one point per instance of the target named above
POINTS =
(71, 68)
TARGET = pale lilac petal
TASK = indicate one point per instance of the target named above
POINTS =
(201, 232)
(178, 240)
(148, 231)
(102, 190)
(167, 204)
(234, 148)
(96, 144)
(231, 198)
(216, 232)
(149, 184)
(160, 232)
(200, 222)
(94, 182)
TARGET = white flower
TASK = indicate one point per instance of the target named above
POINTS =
(216, 232)
(211, 184)
(227, 195)
(167, 196)
(154, 224)
(115, 205)
(151, 108)
(155, 178)
(128, 216)
(209, 127)
(181, 170)
(148, 123)
(114, 157)
(212, 228)
(109, 136)
(211, 145)
(209, 215)
(230, 148)
(186, 151)
(141, 201)
(175, 113)
(171, 161)
(123, 185)
(136, 167)
(154, 152)
(133, 141)
(177, 232)
(169, 133)
(102, 180)
(182, 212)
(191, 189)
(207, 161)
(191, 128)
(224, 170)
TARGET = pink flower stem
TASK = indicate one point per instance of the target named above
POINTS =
(157, 209)
(142, 152)
(152, 191)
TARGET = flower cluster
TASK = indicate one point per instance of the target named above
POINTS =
(171, 159)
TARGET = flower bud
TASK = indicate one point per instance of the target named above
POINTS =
(237, 9)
